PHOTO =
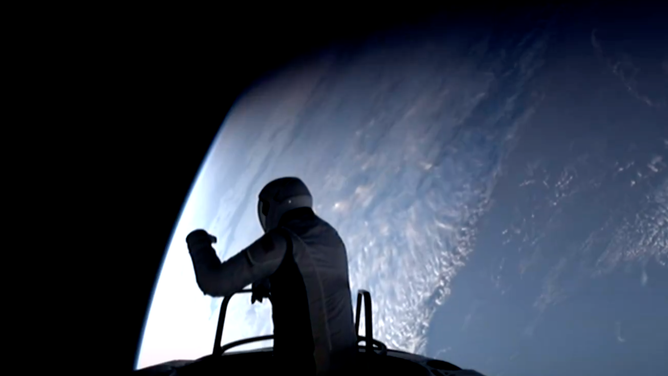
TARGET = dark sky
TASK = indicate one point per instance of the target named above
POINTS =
(136, 97)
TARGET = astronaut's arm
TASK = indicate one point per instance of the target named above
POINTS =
(259, 260)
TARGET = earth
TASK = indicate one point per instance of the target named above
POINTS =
(501, 185)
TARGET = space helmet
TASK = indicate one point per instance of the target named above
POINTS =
(279, 197)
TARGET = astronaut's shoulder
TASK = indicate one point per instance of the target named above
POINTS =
(275, 240)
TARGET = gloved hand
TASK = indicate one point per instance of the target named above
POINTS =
(198, 239)
(261, 289)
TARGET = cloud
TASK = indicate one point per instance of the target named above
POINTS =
(618, 332)
(441, 352)
(643, 278)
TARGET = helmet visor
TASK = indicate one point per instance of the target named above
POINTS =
(262, 211)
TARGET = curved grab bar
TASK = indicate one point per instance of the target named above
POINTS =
(363, 296)
(368, 324)
(217, 349)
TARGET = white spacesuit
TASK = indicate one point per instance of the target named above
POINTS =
(301, 264)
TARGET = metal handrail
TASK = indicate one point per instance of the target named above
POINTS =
(368, 324)
(217, 349)
(362, 296)
(245, 341)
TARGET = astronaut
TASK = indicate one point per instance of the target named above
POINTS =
(301, 264)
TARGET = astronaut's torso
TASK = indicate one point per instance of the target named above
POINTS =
(312, 308)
